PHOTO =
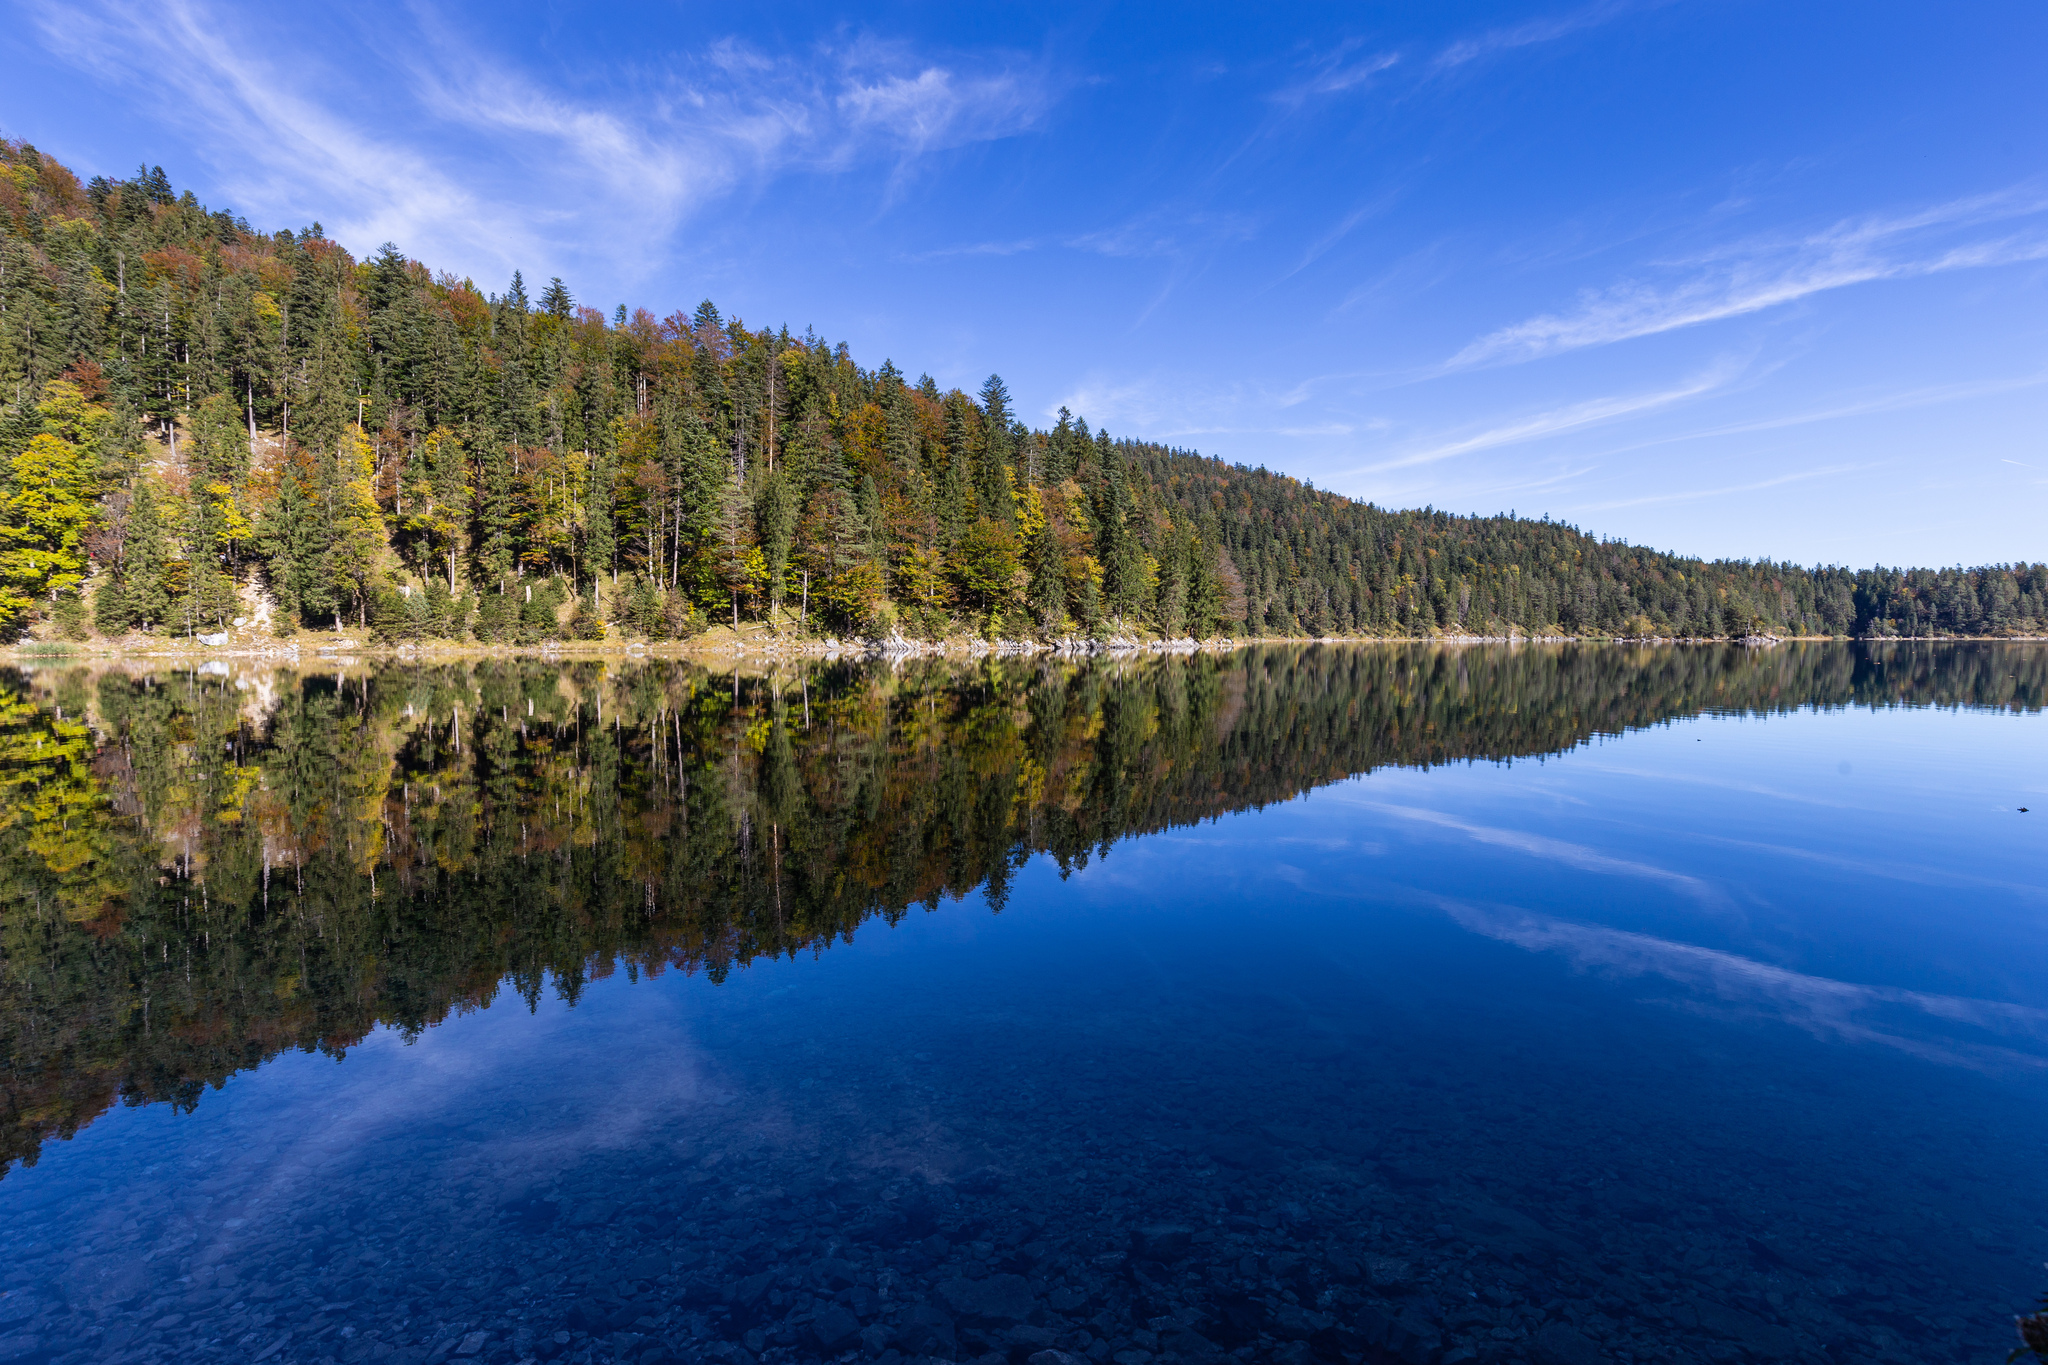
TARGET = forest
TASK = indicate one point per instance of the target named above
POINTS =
(200, 870)
(207, 428)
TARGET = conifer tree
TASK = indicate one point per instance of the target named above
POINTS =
(1047, 593)
(141, 597)
(291, 545)
(775, 517)
(955, 509)
(1115, 546)
(555, 301)
(731, 541)
(218, 475)
(436, 504)
(600, 501)
(287, 341)
(495, 518)
(992, 488)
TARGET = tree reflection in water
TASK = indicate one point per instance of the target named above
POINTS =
(203, 870)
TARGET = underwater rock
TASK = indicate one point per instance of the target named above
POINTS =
(997, 1299)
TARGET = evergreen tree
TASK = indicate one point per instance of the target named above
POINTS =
(775, 518)
(732, 545)
(955, 510)
(290, 539)
(510, 435)
(555, 301)
(1115, 546)
(142, 598)
(993, 487)
(600, 505)
(1048, 590)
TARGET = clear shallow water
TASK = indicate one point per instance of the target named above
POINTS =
(1710, 1027)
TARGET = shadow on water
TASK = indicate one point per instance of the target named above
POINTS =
(204, 871)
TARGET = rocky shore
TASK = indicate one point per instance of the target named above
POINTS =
(316, 648)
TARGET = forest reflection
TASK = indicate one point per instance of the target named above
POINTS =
(204, 869)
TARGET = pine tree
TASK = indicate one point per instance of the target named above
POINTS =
(775, 518)
(867, 506)
(845, 582)
(496, 517)
(1059, 449)
(555, 301)
(992, 487)
(144, 596)
(732, 540)
(170, 312)
(435, 498)
(218, 474)
(514, 416)
(1115, 546)
(1048, 591)
(600, 502)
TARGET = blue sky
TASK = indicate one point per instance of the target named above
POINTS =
(1729, 278)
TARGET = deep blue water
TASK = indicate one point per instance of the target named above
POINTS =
(1717, 1040)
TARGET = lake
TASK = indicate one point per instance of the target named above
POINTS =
(1551, 1004)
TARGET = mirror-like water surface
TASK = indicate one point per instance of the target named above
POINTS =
(1557, 1005)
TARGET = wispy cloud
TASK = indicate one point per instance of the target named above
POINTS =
(1343, 229)
(1180, 236)
(1163, 406)
(1529, 34)
(1983, 1034)
(459, 155)
(1758, 274)
(1186, 240)
(1353, 64)
(1571, 855)
(254, 112)
(1695, 494)
(1556, 421)
(1011, 248)
(1340, 69)
(1166, 233)
(935, 109)
(1900, 400)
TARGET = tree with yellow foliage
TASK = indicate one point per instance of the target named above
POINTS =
(434, 503)
(48, 509)
(353, 560)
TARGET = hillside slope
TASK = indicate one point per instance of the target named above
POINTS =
(203, 422)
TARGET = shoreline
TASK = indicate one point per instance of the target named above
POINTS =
(720, 644)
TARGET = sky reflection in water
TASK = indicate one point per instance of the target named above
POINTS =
(1710, 1027)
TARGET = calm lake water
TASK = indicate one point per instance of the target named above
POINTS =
(1550, 1005)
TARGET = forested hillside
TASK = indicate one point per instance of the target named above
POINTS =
(207, 424)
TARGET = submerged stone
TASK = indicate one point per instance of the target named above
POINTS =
(997, 1299)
